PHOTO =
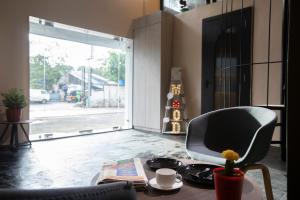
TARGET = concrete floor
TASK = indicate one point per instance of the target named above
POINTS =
(75, 161)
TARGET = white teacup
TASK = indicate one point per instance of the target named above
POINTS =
(166, 177)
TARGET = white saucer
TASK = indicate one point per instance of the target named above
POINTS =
(175, 186)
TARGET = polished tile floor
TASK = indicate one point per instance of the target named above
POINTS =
(75, 161)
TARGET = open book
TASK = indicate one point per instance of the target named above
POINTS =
(124, 170)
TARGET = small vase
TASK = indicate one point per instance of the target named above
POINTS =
(228, 187)
(13, 114)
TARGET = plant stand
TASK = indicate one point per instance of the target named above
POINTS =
(14, 135)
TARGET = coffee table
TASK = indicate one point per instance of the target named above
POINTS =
(190, 191)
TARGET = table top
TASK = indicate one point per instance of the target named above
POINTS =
(191, 191)
(194, 192)
(19, 122)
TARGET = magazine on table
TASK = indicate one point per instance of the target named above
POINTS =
(124, 170)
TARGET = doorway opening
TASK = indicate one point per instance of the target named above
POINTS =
(80, 81)
(226, 68)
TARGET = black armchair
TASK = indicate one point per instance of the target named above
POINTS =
(247, 130)
(109, 191)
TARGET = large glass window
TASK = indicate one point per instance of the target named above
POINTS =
(80, 80)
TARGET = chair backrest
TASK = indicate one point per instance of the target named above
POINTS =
(110, 191)
(247, 130)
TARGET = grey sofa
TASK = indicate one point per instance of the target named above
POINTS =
(109, 191)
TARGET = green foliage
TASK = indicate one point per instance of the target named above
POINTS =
(184, 9)
(230, 157)
(229, 165)
(14, 98)
(114, 63)
(113, 68)
(52, 74)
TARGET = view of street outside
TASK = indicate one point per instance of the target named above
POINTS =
(67, 119)
(75, 87)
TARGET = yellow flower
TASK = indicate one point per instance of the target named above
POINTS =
(230, 155)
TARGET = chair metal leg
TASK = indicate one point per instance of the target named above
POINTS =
(266, 176)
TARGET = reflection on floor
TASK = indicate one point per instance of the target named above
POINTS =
(75, 161)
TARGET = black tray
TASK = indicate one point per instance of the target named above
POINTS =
(157, 163)
(201, 174)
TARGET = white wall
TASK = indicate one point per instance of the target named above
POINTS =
(109, 97)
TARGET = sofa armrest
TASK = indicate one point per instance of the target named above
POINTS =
(109, 191)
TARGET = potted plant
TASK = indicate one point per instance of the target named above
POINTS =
(228, 180)
(14, 100)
